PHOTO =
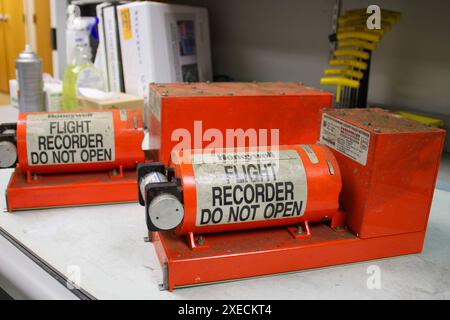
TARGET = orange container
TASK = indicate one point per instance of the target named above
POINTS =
(389, 167)
(191, 113)
(256, 188)
(82, 141)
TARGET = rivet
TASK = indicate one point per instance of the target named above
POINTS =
(201, 241)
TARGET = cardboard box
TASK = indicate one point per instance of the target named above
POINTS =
(53, 97)
(163, 43)
(124, 101)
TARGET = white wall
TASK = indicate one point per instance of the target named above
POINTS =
(269, 40)
(287, 40)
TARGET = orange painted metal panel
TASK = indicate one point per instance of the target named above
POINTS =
(70, 189)
(291, 108)
(270, 251)
(392, 193)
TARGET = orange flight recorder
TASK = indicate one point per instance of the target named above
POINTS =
(362, 192)
(69, 159)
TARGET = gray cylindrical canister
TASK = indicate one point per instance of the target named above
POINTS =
(29, 79)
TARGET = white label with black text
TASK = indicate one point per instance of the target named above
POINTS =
(345, 138)
(236, 187)
(65, 138)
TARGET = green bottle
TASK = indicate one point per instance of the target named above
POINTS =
(80, 73)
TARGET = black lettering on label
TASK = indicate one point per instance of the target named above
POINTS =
(217, 215)
(289, 189)
(297, 210)
(64, 127)
(41, 142)
(70, 138)
(205, 216)
(269, 211)
(278, 209)
(227, 195)
(243, 213)
(217, 196)
(237, 195)
(249, 190)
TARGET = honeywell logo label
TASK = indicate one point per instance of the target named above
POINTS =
(247, 157)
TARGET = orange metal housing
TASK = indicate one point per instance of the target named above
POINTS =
(323, 184)
(291, 108)
(391, 193)
(74, 184)
(386, 200)
(128, 135)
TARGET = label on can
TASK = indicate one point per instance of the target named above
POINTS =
(65, 138)
(345, 138)
(237, 187)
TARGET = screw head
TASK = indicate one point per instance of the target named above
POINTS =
(201, 241)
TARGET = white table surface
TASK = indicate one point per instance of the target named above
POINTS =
(106, 244)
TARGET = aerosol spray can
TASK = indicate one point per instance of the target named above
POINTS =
(29, 79)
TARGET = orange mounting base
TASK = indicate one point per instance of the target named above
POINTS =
(244, 254)
(27, 191)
